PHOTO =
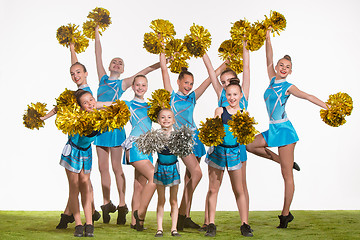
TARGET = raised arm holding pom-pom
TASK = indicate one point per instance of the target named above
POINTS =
(109, 143)
(182, 104)
(281, 132)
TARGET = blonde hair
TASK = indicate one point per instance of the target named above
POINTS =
(287, 57)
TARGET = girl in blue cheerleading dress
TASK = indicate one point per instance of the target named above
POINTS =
(167, 173)
(76, 158)
(281, 132)
(144, 186)
(227, 155)
(109, 143)
(225, 76)
(182, 104)
(79, 77)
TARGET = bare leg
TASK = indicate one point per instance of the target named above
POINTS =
(206, 217)
(195, 176)
(238, 189)
(145, 168)
(73, 201)
(139, 183)
(160, 206)
(258, 147)
(174, 206)
(84, 185)
(67, 208)
(215, 180)
(244, 184)
(186, 179)
(116, 154)
(103, 158)
(287, 160)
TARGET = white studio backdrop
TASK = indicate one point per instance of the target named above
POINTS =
(322, 37)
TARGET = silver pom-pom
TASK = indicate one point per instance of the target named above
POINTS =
(152, 141)
(181, 141)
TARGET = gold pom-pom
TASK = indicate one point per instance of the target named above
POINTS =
(98, 16)
(32, 115)
(177, 50)
(228, 49)
(340, 105)
(160, 99)
(236, 64)
(113, 116)
(89, 29)
(332, 118)
(152, 43)
(276, 20)
(70, 119)
(212, 132)
(70, 34)
(66, 98)
(256, 36)
(242, 127)
(240, 31)
(177, 64)
(198, 42)
(163, 27)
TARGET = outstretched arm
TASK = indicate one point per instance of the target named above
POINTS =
(246, 71)
(127, 82)
(101, 105)
(300, 94)
(49, 114)
(165, 73)
(74, 58)
(98, 55)
(269, 56)
(213, 78)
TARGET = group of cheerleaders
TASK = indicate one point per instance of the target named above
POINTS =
(232, 97)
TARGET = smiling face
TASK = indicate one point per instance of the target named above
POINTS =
(233, 95)
(140, 86)
(78, 74)
(283, 68)
(166, 118)
(186, 84)
(87, 102)
(116, 66)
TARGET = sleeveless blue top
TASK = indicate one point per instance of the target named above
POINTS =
(229, 139)
(109, 90)
(86, 87)
(183, 109)
(275, 99)
(165, 157)
(139, 119)
(281, 132)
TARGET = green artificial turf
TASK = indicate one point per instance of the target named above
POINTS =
(306, 225)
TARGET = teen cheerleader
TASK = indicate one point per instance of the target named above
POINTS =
(79, 75)
(227, 155)
(219, 88)
(109, 143)
(281, 133)
(76, 158)
(144, 186)
(182, 104)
